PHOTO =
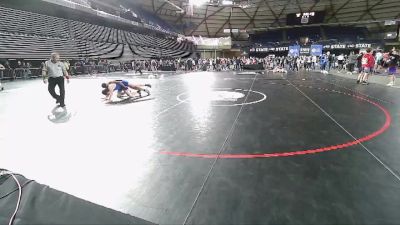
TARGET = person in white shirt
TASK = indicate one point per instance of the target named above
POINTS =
(2, 68)
(308, 63)
(53, 73)
(340, 59)
(378, 59)
(314, 62)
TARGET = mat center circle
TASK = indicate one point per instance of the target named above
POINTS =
(229, 96)
(223, 97)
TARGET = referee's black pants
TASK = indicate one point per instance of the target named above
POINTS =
(57, 81)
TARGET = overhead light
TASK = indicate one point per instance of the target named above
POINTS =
(227, 2)
(198, 2)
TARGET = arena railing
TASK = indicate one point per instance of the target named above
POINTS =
(91, 69)
(35, 72)
(7, 74)
(25, 73)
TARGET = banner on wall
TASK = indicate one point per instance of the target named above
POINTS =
(294, 50)
(209, 43)
(316, 50)
(305, 50)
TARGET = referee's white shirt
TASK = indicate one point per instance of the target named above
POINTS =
(55, 69)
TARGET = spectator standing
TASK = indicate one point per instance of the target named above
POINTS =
(329, 61)
(359, 59)
(237, 64)
(378, 59)
(351, 62)
(340, 59)
(138, 67)
(153, 65)
(313, 62)
(8, 69)
(67, 66)
(7, 65)
(24, 70)
(394, 58)
(189, 64)
(28, 69)
(308, 63)
(2, 68)
(367, 64)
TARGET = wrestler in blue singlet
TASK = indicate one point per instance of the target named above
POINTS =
(119, 87)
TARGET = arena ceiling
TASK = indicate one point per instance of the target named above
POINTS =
(210, 20)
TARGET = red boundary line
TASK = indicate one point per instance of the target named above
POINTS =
(369, 137)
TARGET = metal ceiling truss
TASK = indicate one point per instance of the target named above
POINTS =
(254, 16)
(205, 18)
(298, 5)
(208, 31)
(159, 8)
(210, 19)
(333, 15)
(277, 19)
(220, 29)
(368, 10)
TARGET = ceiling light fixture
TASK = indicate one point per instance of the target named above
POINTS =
(198, 2)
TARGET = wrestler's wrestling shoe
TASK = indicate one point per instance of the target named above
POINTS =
(148, 85)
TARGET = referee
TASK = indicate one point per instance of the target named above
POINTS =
(54, 71)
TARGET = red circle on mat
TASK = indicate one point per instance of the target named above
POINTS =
(371, 136)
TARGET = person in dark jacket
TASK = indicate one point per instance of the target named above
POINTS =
(351, 62)
(392, 62)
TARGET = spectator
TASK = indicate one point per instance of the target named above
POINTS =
(24, 71)
(7, 65)
(340, 59)
(378, 59)
(189, 64)
(394, 58)
(2, 68)
(351, 62)
(313, 62)
(138, 68)
(367, 64)
(359, 59)
(28, 70)
(67, 66)
(329, 61)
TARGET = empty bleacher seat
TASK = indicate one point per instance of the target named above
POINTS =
(34, 36)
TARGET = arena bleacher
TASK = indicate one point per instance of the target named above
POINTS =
(28, 35)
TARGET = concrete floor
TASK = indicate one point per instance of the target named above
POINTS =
(215, 148)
